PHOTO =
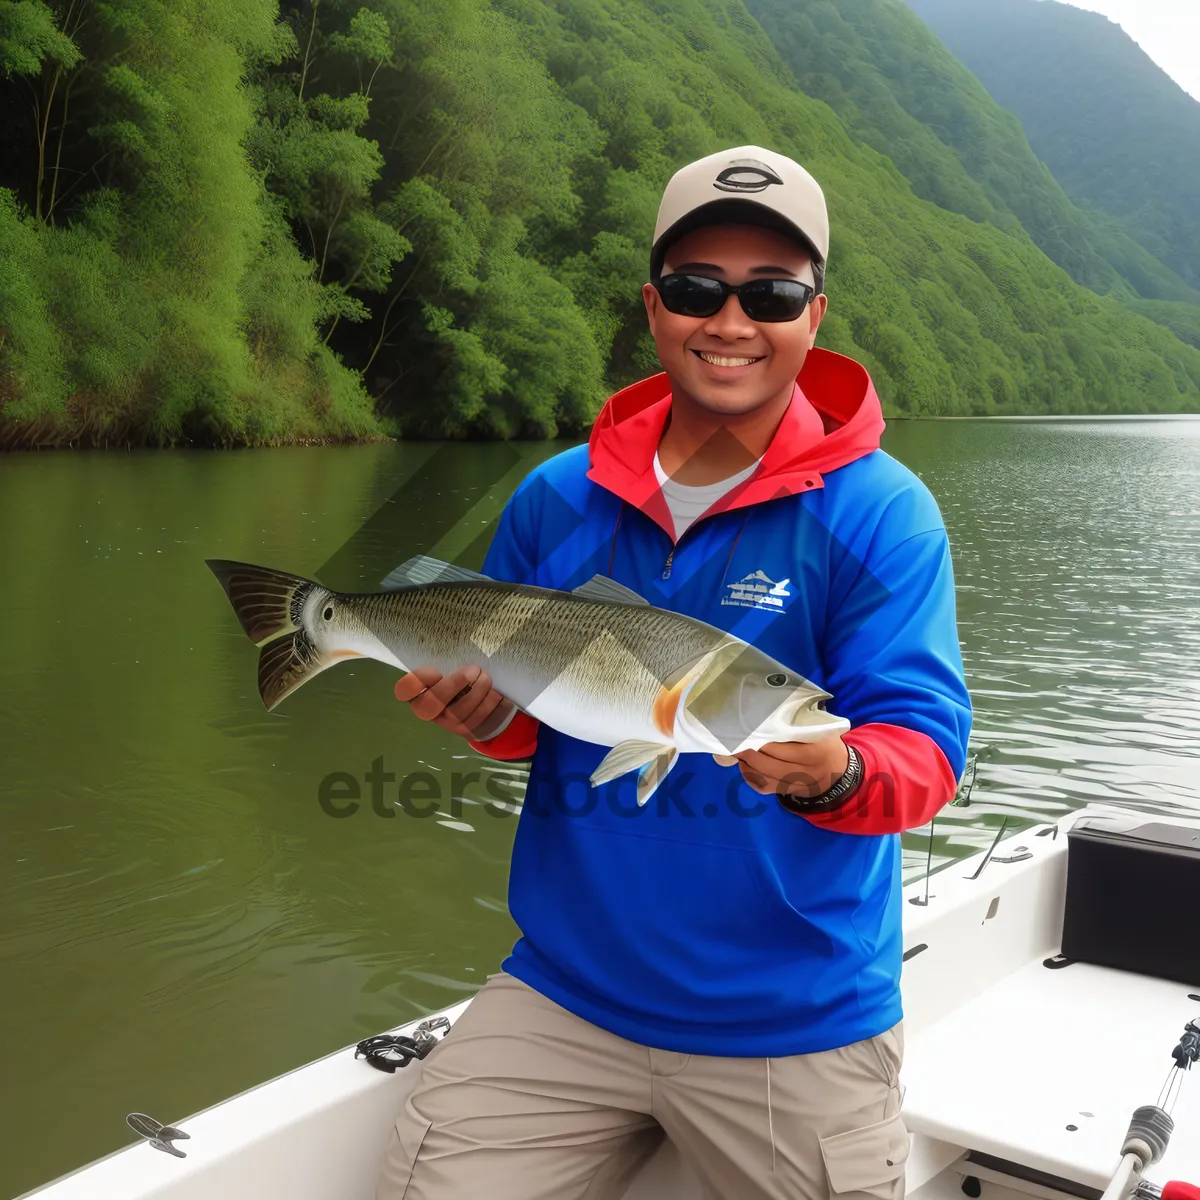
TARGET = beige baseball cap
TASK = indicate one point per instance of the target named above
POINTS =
(748, 184)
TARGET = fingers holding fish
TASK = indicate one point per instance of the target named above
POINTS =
(795, 768)
(485, 725)
(451, 694)
(460, 702)
(793, 782)
(429, 693)
(475, 704)
(410, 686)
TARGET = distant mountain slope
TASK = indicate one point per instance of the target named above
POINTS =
(1117, 131)
(1183, 320)
(897, 88)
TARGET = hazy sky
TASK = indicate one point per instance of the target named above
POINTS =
(1168, 31)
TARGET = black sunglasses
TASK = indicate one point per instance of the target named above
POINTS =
(761, 299)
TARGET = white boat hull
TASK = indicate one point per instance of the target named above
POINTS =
(1014, 1073)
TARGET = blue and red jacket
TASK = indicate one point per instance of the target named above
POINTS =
(713, 921)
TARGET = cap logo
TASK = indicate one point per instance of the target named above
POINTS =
(746, 175)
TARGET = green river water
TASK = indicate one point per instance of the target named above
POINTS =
(180, 919)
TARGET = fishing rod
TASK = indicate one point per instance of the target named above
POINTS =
(1150, 1131)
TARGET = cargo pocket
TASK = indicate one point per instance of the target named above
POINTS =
(400, 1158)
(868, 1161)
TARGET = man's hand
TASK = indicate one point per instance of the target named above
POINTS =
(792, 768)
(463, 702)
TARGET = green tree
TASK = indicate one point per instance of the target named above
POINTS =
(313, 157)
(145, 234)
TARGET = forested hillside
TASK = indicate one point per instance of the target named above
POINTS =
(898, 88)
(228, 224)
(1119, 134)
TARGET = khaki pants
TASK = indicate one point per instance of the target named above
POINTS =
(525, 1101)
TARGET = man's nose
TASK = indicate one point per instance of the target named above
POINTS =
(730, 320)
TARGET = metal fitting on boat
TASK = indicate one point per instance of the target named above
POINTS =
(1175, 1190)
(161, 1137)
(1188, 1050)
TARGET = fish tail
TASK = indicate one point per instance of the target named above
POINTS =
(287, 663)
(270, 606)
(266, 602)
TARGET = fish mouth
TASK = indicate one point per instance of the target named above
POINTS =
(801, 717)
(805, 715)
(807, 709)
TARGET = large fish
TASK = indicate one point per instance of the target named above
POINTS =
(598, 663)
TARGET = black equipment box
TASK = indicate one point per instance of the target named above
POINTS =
(1133, 897)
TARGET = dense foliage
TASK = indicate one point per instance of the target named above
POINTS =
(151, 288)
(221, 220)
(1119, 134)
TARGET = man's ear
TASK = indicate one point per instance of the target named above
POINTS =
(816, 314)
(651, 299)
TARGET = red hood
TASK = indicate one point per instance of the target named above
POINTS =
(834, 418)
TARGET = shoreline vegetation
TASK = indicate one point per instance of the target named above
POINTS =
(242, 223)
(1052, 418)
(57, 439)
(50, 432)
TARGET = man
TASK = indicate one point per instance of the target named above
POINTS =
(722, 966)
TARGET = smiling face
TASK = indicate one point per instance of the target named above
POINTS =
(728, 363)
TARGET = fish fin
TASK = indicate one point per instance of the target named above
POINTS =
(601, 587)
(421, 569)
(653, 773)
(286, 664)
(266, 602)
(627, 756)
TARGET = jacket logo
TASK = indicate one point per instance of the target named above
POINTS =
(757, 590)
(746, 175)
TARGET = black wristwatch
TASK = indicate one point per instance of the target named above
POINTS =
(832, 798)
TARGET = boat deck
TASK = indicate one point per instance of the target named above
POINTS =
(1003, 1057)
(1045, 1068)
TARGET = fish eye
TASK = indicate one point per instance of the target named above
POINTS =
(776, 679)
(328, 613)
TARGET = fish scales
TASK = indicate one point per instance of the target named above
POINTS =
(527, 641)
